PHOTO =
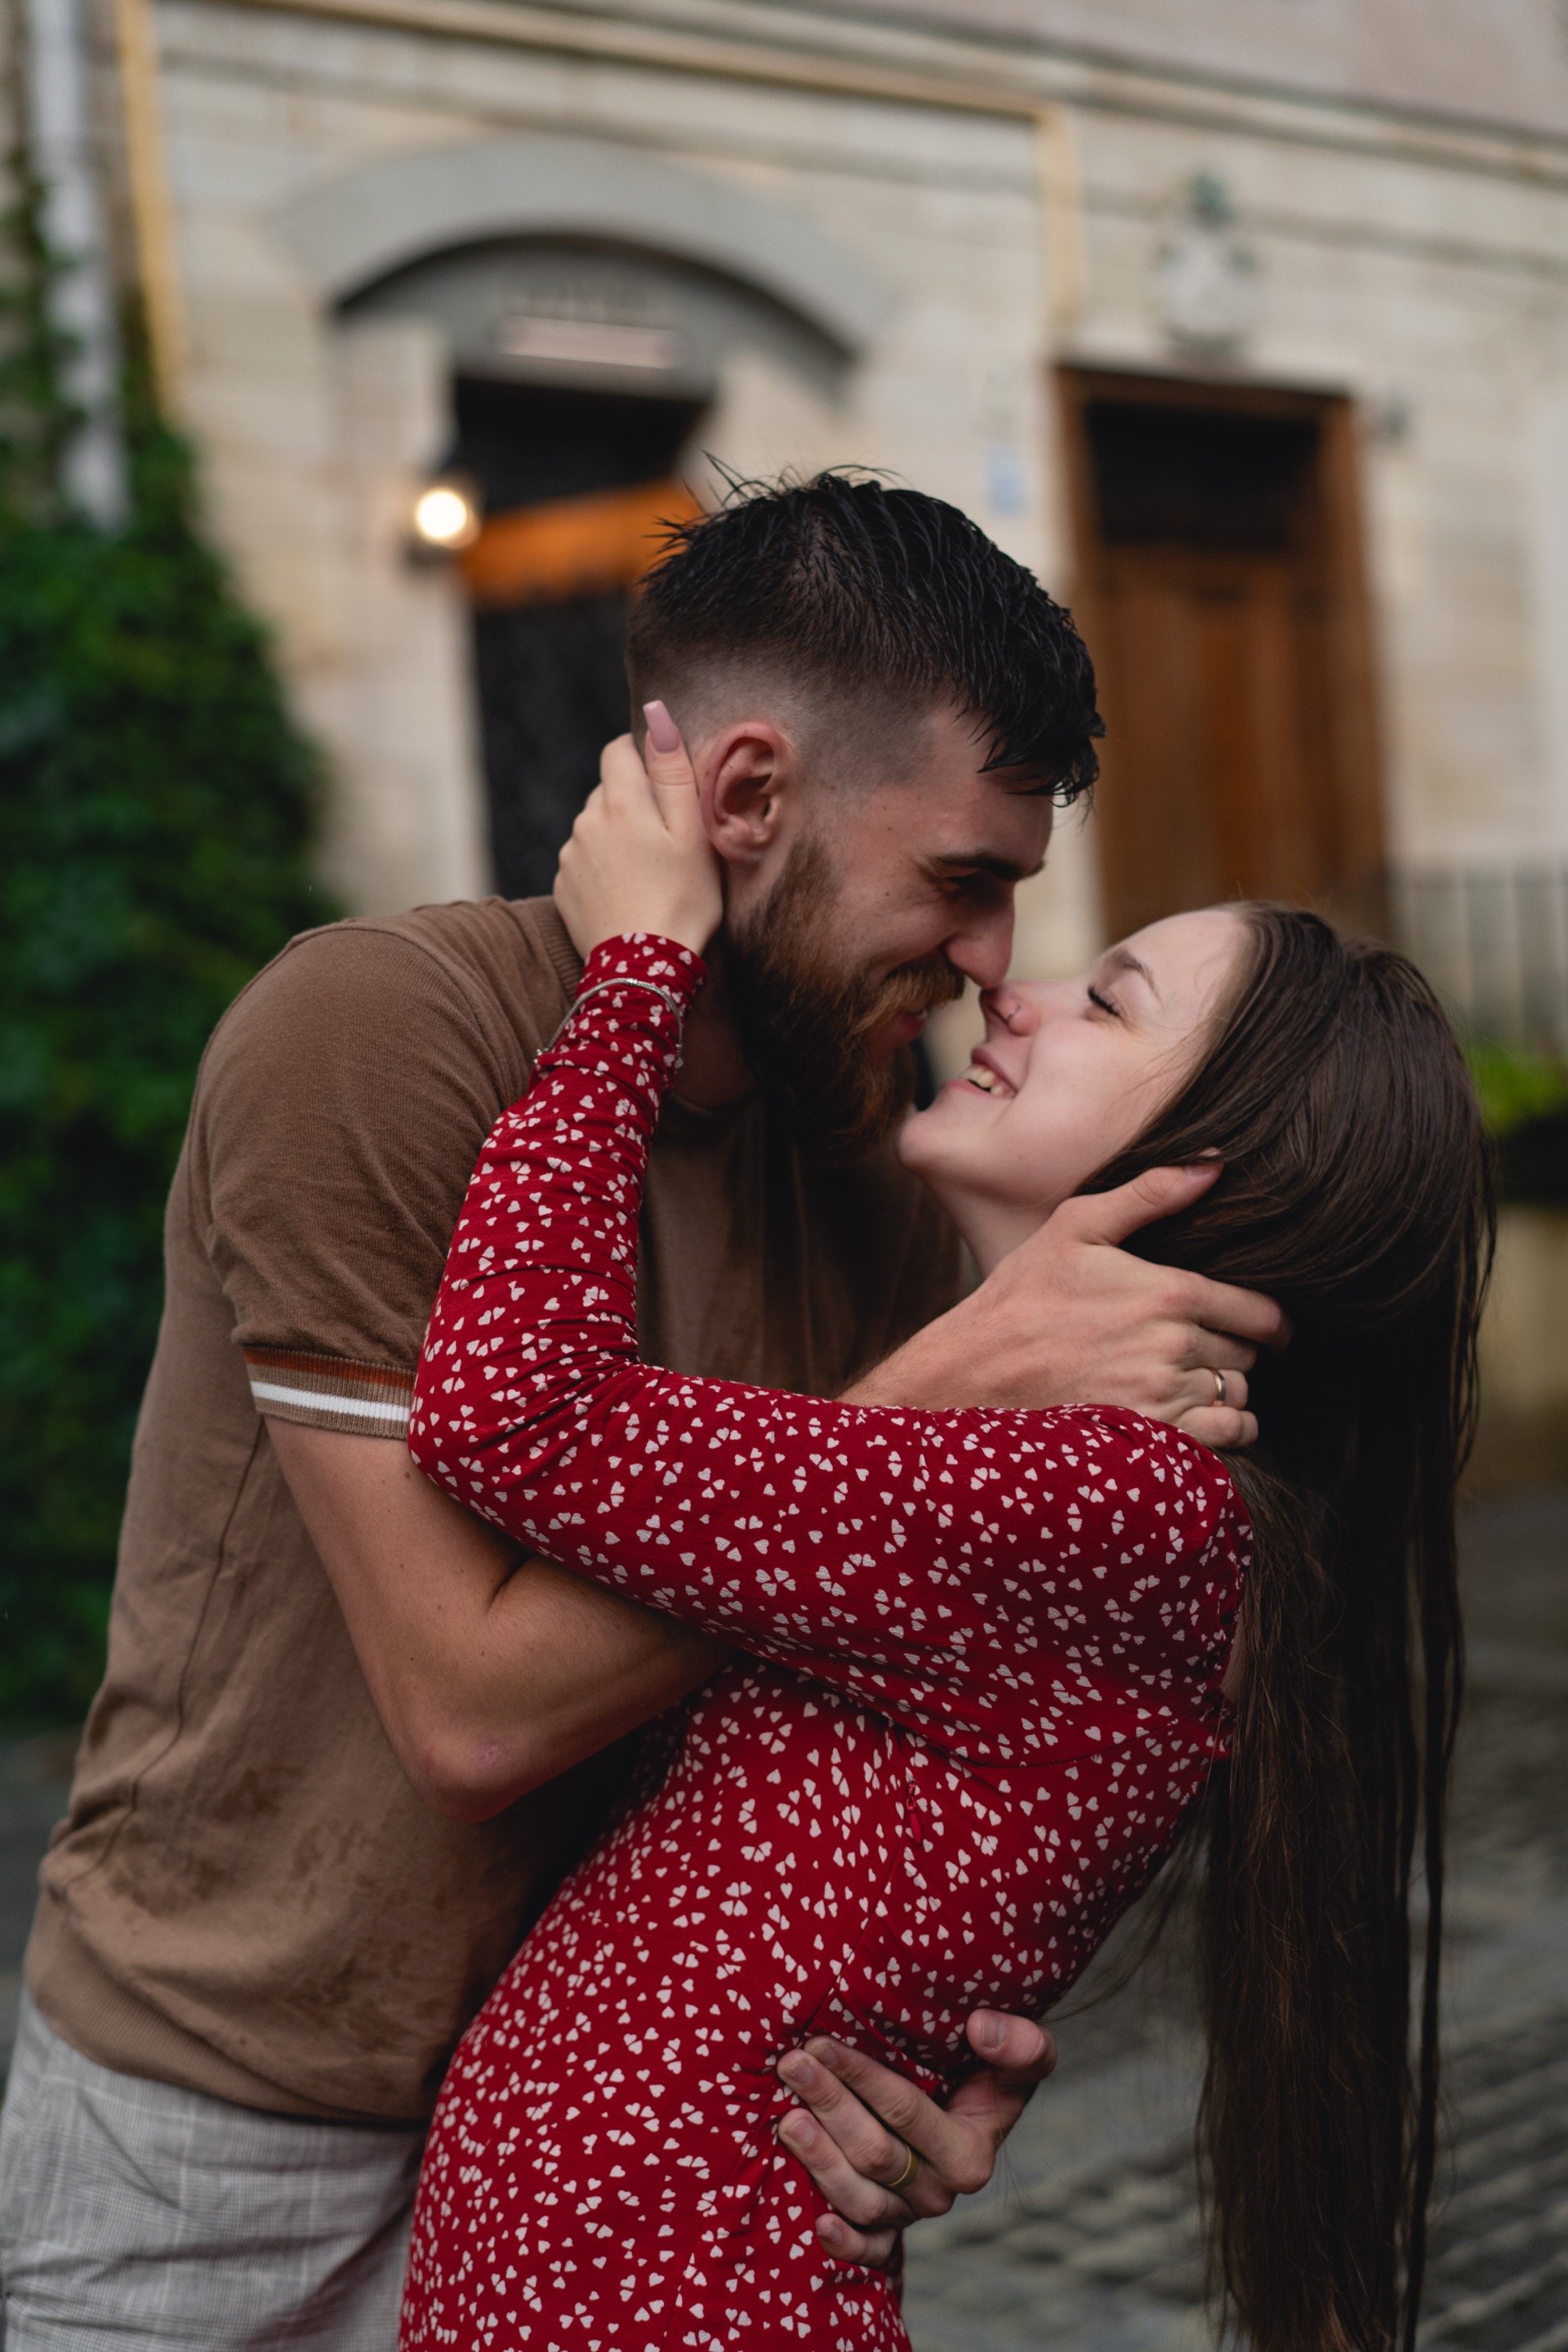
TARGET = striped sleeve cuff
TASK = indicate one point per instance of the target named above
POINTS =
(330, 1391)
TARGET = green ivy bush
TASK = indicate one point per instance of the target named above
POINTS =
(157, 808)
(1516, 1084)
(1524, 1099)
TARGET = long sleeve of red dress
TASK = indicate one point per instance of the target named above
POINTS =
(976, 1695)
(912, 1559)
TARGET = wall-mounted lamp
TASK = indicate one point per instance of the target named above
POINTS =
(446, 518)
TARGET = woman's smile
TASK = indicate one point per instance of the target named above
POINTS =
(1071, 1070)
(984, 1073)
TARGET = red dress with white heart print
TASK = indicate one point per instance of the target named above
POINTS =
(977, 1689)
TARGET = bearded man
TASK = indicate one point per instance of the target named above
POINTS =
(338, 1755)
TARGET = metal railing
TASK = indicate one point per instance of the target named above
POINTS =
(1494, 942)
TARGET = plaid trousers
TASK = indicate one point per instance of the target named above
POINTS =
(138, 2218)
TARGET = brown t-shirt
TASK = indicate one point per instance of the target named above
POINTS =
(247, 1897)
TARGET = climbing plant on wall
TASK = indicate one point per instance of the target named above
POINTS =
(157, 806)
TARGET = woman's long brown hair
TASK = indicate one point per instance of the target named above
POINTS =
(1357, 1192)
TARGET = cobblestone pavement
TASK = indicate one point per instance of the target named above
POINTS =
(1104, 2256)
(1087, 2239)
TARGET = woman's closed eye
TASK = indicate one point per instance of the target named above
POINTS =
(1104, 1004)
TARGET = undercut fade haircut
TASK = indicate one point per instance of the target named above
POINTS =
(875, 593)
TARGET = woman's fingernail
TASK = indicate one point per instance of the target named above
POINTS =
(662, 732)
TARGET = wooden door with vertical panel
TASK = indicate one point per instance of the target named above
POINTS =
(1219, 589)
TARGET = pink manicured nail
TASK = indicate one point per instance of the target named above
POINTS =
(662, 732)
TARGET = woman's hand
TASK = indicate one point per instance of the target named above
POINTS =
(639, 859)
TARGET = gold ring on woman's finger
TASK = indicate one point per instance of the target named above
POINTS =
(911, 2166)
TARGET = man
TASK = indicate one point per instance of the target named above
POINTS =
(333, 1765)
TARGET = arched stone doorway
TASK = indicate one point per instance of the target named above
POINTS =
(589, 323)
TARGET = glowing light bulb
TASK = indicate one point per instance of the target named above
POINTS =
(444, 517)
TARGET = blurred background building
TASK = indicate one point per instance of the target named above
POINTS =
(1244, 323)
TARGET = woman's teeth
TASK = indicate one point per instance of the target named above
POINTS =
(987, 1080)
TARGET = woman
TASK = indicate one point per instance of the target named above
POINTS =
(990, 1661)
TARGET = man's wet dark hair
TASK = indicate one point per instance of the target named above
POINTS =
(879, 594)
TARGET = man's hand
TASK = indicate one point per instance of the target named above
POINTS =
(1068, 1317)
(857, 2124)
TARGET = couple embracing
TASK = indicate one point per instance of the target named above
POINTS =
(951, 1618)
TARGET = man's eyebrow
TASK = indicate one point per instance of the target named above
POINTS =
(986, 861)
(1125, 959)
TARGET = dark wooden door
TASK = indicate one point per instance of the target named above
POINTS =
(1219, 590)
(565, 538)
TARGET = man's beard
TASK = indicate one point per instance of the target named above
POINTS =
(803, 1026)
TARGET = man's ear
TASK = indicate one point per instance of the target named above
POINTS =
(745, 775)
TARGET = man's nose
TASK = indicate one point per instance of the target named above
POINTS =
(983, 950)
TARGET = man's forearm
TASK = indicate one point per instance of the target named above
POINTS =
(933, 1369)
(491, 1675)
(1071, 1318)
(973, 1355)
(546, 1678)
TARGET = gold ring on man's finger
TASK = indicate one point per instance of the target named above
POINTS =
(911, 2166)
(1219, 1388)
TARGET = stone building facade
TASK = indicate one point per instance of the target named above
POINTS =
(926, 236)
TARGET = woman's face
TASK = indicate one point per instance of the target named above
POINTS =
(1069, 1074)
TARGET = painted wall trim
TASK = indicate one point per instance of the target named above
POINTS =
(359, 228)
(152, 225)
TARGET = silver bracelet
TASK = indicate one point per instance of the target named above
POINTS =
(629, 981)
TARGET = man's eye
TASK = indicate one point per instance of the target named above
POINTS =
(1104, 1004)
